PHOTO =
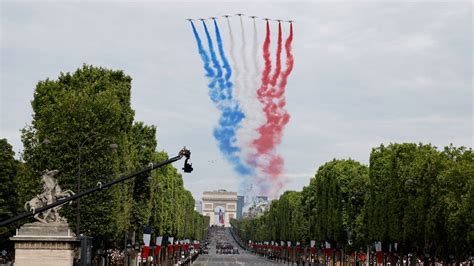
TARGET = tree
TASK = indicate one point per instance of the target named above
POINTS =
(336, 195)
(83, 125)
(8, 197)
(81, 115)
(451, 210)
(412, 195)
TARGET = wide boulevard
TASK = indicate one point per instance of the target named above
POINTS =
(222, 235)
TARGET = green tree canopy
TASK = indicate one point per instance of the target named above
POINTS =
(8, 196)
(83, 125)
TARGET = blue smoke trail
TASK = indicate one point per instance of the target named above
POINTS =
(231, 115)
(203, 53)
(216, 96)
(226, 65)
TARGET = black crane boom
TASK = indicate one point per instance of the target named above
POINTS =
(187, 168)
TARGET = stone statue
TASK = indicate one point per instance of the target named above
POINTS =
(51, 193)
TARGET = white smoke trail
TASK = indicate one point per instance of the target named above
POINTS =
(235, 66)
(256, 105)
(246, 131)
(243, 48)
(246, 97)
(256, 66)
(252, 80)
(239, 94)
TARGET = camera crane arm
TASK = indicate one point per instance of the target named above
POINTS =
(182, 153)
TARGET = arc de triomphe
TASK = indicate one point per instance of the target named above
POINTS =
(220, 206)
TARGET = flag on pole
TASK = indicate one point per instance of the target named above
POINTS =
(328, 249)
(146, 241)
(158, 241)
(170, 243)
(312, 246)
(378, 251)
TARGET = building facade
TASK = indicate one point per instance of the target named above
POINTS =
(240, 206)
(198, 206)
(220, 206)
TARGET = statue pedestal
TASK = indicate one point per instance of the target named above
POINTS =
(41, 244)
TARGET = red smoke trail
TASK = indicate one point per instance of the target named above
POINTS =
(278, 58)
(281, 116)
(277, 117)
(289, 64)
(268, 66)
(269, 131)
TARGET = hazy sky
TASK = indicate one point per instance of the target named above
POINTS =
(365, 73)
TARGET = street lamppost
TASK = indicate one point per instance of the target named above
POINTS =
(128, 253)
(80, 145)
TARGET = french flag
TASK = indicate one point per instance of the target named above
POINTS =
(328, 249)
(146, 242)
(312, 248)
(158, 241)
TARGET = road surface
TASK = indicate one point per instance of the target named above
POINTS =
(243, 258)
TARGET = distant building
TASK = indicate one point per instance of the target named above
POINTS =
(259, 205)
(198, 206)
(220, 206)
(261, 198)
(240, 206)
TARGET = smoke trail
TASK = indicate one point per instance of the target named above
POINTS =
(271, 132)
(254, 158)
(289, 61)
(247, 82)
(275, 167)
(232, 56)
(203, 53)
(243, 47)
(216, 95)
(237, 67)
(231, 116)
(256, 66)
(241, 98)
(252, 108)
(225, 62)
(243, 88)
(254, 103)
(278, 58)
(262, 91)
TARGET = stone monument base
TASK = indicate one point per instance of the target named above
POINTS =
(41, 244)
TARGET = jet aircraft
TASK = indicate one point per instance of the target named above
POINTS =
(290, 21)
(189, 19)
(239, 14)
(267, 19)
(253, 17)
(226, 16)
(279, 20)
(202, 19)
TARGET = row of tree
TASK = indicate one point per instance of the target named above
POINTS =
(83, 125)
(413, 198)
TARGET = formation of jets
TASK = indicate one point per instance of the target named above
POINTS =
(240, 15)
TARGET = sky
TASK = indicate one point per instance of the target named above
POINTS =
(365, 73)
